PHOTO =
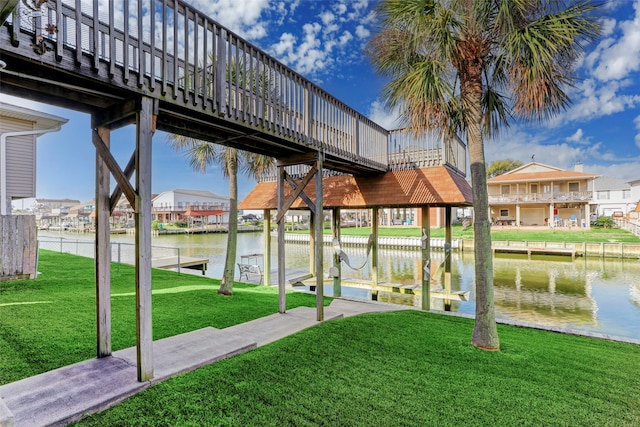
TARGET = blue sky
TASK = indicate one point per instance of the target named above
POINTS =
(324, 40)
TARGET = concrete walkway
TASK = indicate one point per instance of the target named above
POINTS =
(67, 394)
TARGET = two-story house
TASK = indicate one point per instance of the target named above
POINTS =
(540, 195)
(613, 196)
(192, 206)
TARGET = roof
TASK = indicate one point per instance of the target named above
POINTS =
(41, 120)
(609, 183)
(538, 172)
(435, 186)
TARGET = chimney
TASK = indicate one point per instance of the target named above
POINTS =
(578, 167)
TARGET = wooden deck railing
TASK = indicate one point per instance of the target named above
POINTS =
(573, 196)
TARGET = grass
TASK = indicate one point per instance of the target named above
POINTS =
(50, 322)
(592, 235)
(403, 368)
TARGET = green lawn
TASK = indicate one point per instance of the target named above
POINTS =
(50, 322)
(401, 369)
(404, 368)
(498, 233)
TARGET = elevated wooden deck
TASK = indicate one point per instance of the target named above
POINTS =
(207, 83)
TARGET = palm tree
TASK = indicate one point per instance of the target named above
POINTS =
(469, 66)
(202, 154)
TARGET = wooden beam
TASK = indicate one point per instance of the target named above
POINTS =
(282, 210)
(319, 243)
(112, 164)
(282, 303)
(142, 206)
(337, 278)
(298, 159)
(426, 258)
(103, 252)
(266, 259)
(374, 248)
(117, 116)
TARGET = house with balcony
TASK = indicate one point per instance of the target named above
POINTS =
(194, 207)
(540, 195)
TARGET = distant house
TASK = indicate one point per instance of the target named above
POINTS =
(53, 212)
(191, 206)
(541, 195)
(613, 196)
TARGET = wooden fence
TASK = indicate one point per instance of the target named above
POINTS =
(18, 247)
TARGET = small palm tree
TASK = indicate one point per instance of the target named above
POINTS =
(468, 66)
(202, 154)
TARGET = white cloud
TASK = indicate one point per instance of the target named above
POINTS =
(385, 118)
(362, 32)
(617, 58)
(242, 17)
(576, 137)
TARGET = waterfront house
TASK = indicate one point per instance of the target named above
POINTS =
(540, 195)
(195, 207)
(613, 196)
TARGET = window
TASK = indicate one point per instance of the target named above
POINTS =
(505, 189)
(534, 188)
(626, 193)
(603, 194)
(574, 187)
(504, 212)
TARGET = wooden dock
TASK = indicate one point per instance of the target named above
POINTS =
(181, 262)
(537, 251)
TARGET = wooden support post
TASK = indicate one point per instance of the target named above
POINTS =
(144, 337)
(426, 258)
(447, 256)
(266, 259)
(282, 303)
(103, 252)
(318, 247)
(337, 278)
(374, 248)
(312, 243)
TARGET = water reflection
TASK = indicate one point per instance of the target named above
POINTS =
(601, 295)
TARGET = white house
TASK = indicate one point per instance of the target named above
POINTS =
(192, 206)
(613, 195)
(19, 130)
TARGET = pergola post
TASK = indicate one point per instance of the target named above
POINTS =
(312, 243)
(145, 126)
(266, 258)
(374, 247)
(282, 303)
(319, 225)
(337, 278)
(103, 252)
(447, 256)
(426, 258)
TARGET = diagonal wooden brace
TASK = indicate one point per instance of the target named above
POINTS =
(117, 192)
(303, 195)
(115, 170)
(296, 192)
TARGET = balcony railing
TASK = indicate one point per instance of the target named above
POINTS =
(569, 197)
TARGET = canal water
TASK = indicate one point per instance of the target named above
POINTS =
(591, 294)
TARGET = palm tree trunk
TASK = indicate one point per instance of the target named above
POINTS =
(485, 333)
(226, 285)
